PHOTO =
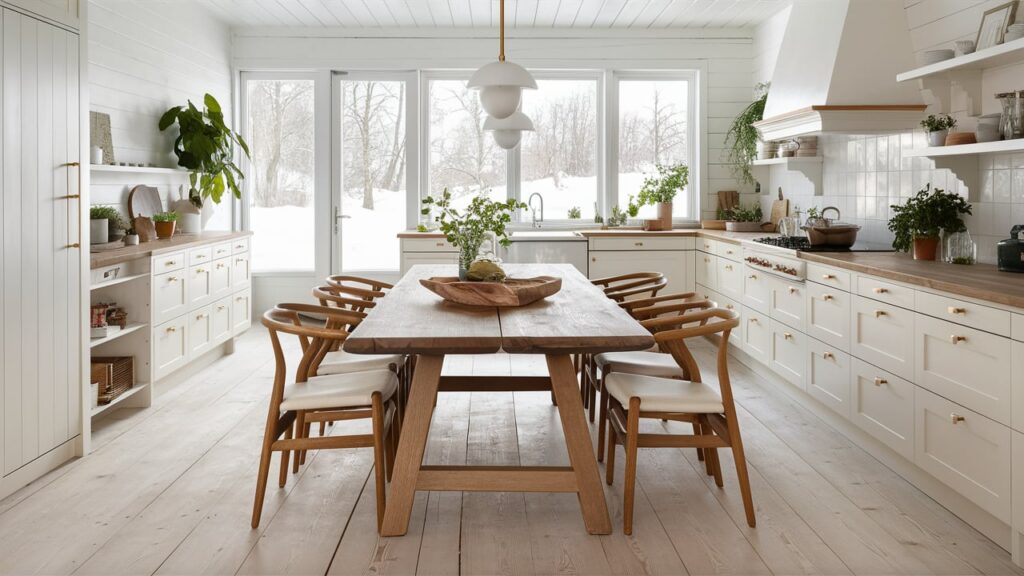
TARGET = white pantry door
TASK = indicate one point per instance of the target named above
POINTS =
(40, 277)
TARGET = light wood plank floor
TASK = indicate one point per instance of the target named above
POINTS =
(168, 490)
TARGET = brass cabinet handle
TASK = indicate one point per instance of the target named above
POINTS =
(792, 290)
(440, 244)
(752, 276)
(728, 306)
(828, 356)
(880, 313)
(956, 418)
(593, 258)
(638, 243)
(880, 381)
(881, 290)
(171, 329)
(201, 316)
(69, 197)
(172, 279)
(200, 271)
(728, 266)
(728, 251)
(754, 321)
(956, 310)
(827, 297)
(828, 276)
(239, 298)
(706, 259)
(219, 308)
(219, 266)
(957, 339)
(200, 256)
(787, 335)
(170, 263)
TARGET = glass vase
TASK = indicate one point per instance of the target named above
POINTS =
(960, 249)
(468, 253)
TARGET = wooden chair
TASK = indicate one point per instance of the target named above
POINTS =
(619, 288)
(635, 396)
(358, 287)
(369, 394)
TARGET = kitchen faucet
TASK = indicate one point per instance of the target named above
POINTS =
(533, 211)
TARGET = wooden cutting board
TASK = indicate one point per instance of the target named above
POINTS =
(144, 201)
(780, 209)
(728, 199)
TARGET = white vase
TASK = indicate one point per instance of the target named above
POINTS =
(99, 231)
(131, 240)
(937, 138)
(190, 223)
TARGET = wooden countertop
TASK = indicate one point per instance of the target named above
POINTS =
(734, 237)
(981, 281)
(147, 249)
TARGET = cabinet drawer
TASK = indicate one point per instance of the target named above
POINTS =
(643, 243)
(200, 285)
(967, 366)
(240, 271)
(885, 292)
(787, 353)
(112, 272)
(1017, 375)
(882, 405)
(410, 259)
(168, 262)
(427, 245)
(220, 278)
(170, 346)
(706, 245)
(220, 320)
(786, 302)
(828, 376)
(965, 450)
(676, 265)
(729, 251)
(724, 301)
(883, 335)
(170, 295)
(828, 276)
(730, 278)
(828, 315)
(707, 270)
(756, 289)
(220, 250)
(200, 331)
(757, 335)
(967, 313)
(239, 245)
(198, 256)
(241, 312)
(1017, 327)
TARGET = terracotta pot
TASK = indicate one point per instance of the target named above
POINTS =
(926, 247)
(164, 229)
(665, 215)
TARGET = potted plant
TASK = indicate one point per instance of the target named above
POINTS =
(164, 222)
(467, 230)
(104, 222)
(131, 237)
(918, 222)
(206, 147)
(740, 219)
(575, 213)
(937, 128)
(660, 191)
(742, 138)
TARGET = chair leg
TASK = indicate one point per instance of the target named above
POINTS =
(378, 455)
(283, 477)
(305, 434)
(592, 390)
(629, 486)
(300, 431)
(609, 465)
(602, 423)
(323, 428)
(741, 473)
(263, 473)
(712, 455)
(709, 453)
(696, 432)
(392, 443)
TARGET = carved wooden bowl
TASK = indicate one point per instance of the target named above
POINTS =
(510, 293)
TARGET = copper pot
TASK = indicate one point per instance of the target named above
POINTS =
(835, 235)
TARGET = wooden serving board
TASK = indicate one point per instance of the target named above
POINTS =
(510, 293)
(780, 209)
(144, 201)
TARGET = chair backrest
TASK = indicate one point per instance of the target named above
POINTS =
(316, 337)
(362, 288)
(621, 287)
(337, 297)
(713, 320)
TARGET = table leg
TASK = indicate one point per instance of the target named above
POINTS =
(577, 440)
(409, 458)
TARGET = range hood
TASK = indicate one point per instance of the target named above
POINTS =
(836, 71)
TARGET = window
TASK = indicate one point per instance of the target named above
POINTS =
(279, 127)
(373, 176)
(655, 126)
(559, 159)
(463, 158)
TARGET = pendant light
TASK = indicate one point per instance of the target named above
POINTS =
(508, 131)
(501, 83)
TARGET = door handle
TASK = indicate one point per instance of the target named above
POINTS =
(338, 216)
(69, 198)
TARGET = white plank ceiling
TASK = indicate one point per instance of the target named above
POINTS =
(484, 13)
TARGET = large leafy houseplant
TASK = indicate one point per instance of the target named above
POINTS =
(918, 222)
(206, 147)
(467, 230)
(742, 138)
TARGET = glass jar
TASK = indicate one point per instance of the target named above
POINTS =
(960, 249)
(1011, 123)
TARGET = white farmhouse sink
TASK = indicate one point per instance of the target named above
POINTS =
(545, 235)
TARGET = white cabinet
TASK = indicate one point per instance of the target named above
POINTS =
(240, 274)
(786, 302)
(965, 450)
(41, 308)
(831, 277)
(967, 366)
(200, 285)
(674, 264)
(170, 295)
(828, 315)
(757, 335)
(887, 292)
(730, 278)
(970, 314)
(1017, 477)
(883, 335)
(241, 311)
(430, 251)
(756, 289)
(220, 322)
(1017, 394)
(170, 346)
(787, 353)
(200, 331)
(220, 278)
(828, 376)
(64, 12)
(707, 273)
(882, 405)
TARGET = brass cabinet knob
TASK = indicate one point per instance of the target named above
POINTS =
(881, 290)
(792, 290)
(754, 321)
(787, 335)
(880, 313)
(827, 297)
(753, 276)
(828, 356)
(728, 266)
(171, 329)
(880, 381)
(200, 316)
(956, 418)
(172, 279)
(638, 243)
(957, 339)
(828, 276)
(956, 310)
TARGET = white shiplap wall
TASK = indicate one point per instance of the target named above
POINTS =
(145, 57)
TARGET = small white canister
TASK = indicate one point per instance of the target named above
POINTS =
(96, 155)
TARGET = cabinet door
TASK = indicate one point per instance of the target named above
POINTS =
(965, 450)
(882, 405)
(62, 11)
(756, 290)
(828, 315)
(200, 285)
(707, 273)
(170, 295)
(40, 274)
(221, 326)
(220, 278)
(240, 271)
(200, 331)
(170, 346)
(674, 264)
(787, 302)
(241, 312)
(1017, 371)
(410, 259)
(967, 366)
(788, 353)
(730, 278)
(828, 376)
(883, 335)
(757, 335)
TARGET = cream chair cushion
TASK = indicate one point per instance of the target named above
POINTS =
(664, 394)
(647, 363)
(341, 362)
(339, 390)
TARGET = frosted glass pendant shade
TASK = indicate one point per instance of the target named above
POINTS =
(500, 84)
(509, 131)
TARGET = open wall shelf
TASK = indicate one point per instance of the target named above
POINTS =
(809, 167)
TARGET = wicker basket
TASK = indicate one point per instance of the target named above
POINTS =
(115, 374)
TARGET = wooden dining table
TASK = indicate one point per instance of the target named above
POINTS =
(578, 319)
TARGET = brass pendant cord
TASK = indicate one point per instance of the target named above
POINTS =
(501, 20)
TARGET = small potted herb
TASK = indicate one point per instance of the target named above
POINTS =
(660, 191)
(938, 128)
(468, 229)
(918, 223)
(575, 213)
(131, 237)
(104, 222)
(740, 219)
(164, 222)
(619, 217)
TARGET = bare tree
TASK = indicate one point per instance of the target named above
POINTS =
(281, 120)
(374, 137)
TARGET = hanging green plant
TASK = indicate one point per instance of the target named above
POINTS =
(742, 137)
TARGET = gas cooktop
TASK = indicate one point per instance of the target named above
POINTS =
(802, 244)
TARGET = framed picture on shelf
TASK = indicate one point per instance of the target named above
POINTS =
(994, 23)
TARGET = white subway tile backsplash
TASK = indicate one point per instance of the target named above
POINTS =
(1001, 186)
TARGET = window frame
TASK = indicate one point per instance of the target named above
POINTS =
(694, 134)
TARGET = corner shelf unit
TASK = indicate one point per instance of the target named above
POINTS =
(808, 166)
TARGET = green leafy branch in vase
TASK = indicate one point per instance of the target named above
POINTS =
(468, 229)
